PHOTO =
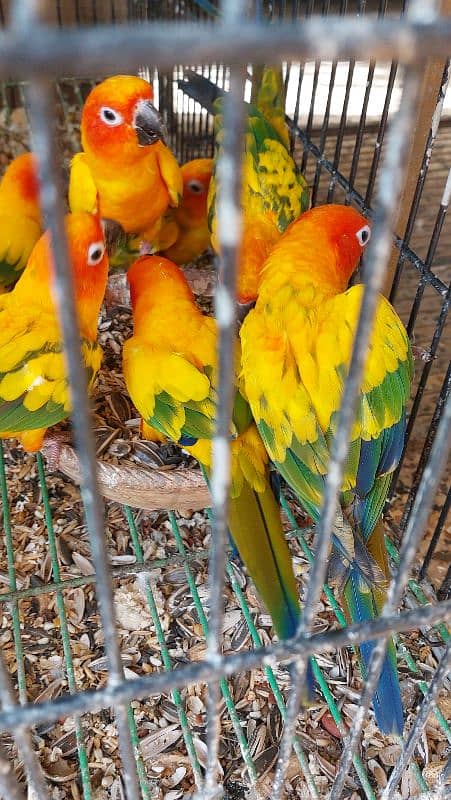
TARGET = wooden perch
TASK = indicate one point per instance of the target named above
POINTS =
(154, 490)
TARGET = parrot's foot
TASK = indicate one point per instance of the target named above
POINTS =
(421, 354)
(145, 248)
(117, 292)
(51, 448)
(114, 234)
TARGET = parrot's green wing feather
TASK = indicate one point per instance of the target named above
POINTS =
(272, 182)
(295, 386)
(34, 390)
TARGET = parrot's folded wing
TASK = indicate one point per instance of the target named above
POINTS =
(33, 383)
(173, 395)
(82, 189)
(18, 235)
(170, 173)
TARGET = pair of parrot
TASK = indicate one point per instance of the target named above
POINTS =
(128, 174)
(292, 354)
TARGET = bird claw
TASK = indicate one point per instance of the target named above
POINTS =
(421, 354)
(145, 248)
(51, 448)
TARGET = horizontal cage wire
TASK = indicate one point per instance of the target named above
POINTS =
(111, 677)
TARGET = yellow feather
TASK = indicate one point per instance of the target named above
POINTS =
(82, 189)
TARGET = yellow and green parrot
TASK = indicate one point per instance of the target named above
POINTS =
(34, 392)
(274, 192)
(170, 373)
(20, 217)
(296, 349)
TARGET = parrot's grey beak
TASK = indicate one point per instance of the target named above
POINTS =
(148, 124)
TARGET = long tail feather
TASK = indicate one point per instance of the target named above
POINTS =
(256, 528)
(363, 604)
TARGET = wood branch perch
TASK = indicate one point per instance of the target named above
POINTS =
(176, 489)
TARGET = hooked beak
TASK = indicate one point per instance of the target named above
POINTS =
(148, 124)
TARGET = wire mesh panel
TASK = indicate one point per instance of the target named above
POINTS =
(134, 675)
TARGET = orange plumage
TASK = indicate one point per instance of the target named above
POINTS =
(191, 217)
(296, 350)
(20, 217)
(132, 171)
(33, 382)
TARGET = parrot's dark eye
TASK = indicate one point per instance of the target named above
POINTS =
(110, 116)
(96, 251)
(364, 235)
(196, 187)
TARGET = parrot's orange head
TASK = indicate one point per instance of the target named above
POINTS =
(348, 233)
(90, 266)
(155, 279)
(196, 176)
(339, 234)
(87, 250)
(119, 120)
(21, 177)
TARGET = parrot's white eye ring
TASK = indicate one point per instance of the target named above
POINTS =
(195, 186)
(110, 117)
(96, 251)
(364, 235)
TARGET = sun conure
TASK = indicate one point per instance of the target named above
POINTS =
(274, 192)
(189, 220)
(20, 217)
(126, 172)
(296, 349)
(34, 392)
(170, 372)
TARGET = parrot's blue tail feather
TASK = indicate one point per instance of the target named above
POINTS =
(361, 606)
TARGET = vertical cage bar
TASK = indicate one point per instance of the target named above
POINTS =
(432, 430)
(376, 260)
(41, 108)
(425, 710)
(24, 741)
(438, 330)
(380, 134)
(165, 655)
(435, 536)
(228, 212)
(421, 180)
(15, 610)
(428, 101)
(65, 637)
(9, 787)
